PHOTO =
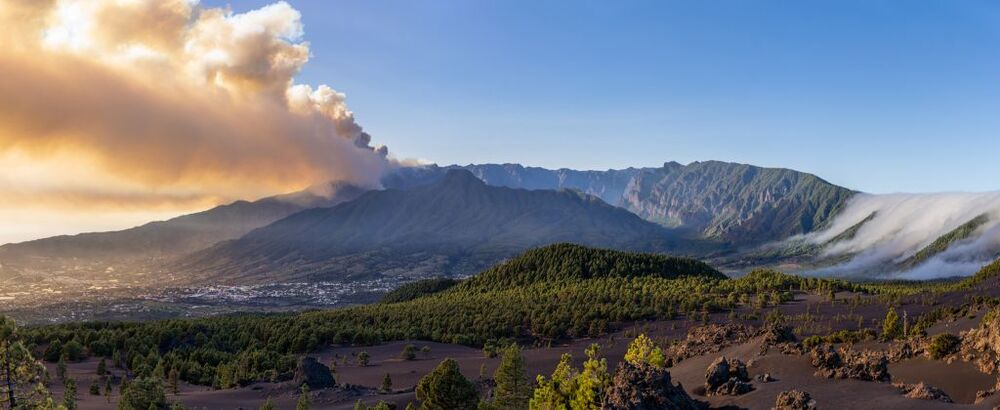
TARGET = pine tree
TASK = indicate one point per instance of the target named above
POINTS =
(360, 405)
(102, 367)
(69, 395)
(892, 328)
(386, 384)
(107, 389)
(61, 369)
(591, 382)
(304, 403)
(173, 379)
(643, 350)
(95, 388)
(363, 358)
(268, 405)
(513, 391)
(142, 393)
(446, 389)
(556, 392)
(409, 352)
(20, 373)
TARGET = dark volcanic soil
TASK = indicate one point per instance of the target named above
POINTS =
(808, 314)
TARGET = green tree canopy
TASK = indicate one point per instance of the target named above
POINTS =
(512, 390)
(446, 388)
(142, 394)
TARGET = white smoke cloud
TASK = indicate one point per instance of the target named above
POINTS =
(165, 98)
(903, 224)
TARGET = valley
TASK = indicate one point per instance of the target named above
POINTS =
(778, 325)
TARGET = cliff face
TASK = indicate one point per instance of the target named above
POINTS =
(734, 202)
(716, 200)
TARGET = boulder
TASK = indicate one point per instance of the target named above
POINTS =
(775, 334)
(907, 349)
(794, 400)
(923, 392)
(849, 364)
(727, 377)
(645, 387)
(313, 374)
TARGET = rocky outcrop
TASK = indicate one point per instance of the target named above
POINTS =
(923, 392)
(727, 377)
(982, 344)
(849, 364)
(313, 374)
(645, 387)
(780, 337)
(709, 339)
(906, 349)
(794, 400)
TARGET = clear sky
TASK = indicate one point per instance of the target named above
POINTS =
(875, 95)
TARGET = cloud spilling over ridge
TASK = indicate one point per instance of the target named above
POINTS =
(903, 224)
(167, 99)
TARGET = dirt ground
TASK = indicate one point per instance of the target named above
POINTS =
(809, 313)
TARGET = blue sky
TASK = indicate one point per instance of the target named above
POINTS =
(874, 95)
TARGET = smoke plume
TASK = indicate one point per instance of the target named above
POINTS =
(166, 99)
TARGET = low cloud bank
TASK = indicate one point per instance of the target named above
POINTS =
(902, 225)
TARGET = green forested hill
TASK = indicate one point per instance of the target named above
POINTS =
(568, 262)
(550, 293)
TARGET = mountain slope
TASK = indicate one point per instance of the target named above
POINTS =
(454, 226)
(962, 232)
(734, 202)
(164, 239)
(718, 200)
(608, 185)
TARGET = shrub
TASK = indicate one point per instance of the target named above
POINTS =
(943, 345)
(409, 352)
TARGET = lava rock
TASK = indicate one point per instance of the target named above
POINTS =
(727, 377)
(645, 387)
(794, 400)
(313, 374)
(923, 392)
(849, 364)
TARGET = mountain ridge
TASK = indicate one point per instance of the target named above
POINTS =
(459, 221)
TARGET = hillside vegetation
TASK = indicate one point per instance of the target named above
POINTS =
(555, 292)
(963, 231)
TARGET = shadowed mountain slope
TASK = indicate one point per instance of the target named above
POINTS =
(164, 239)
(454, 226)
